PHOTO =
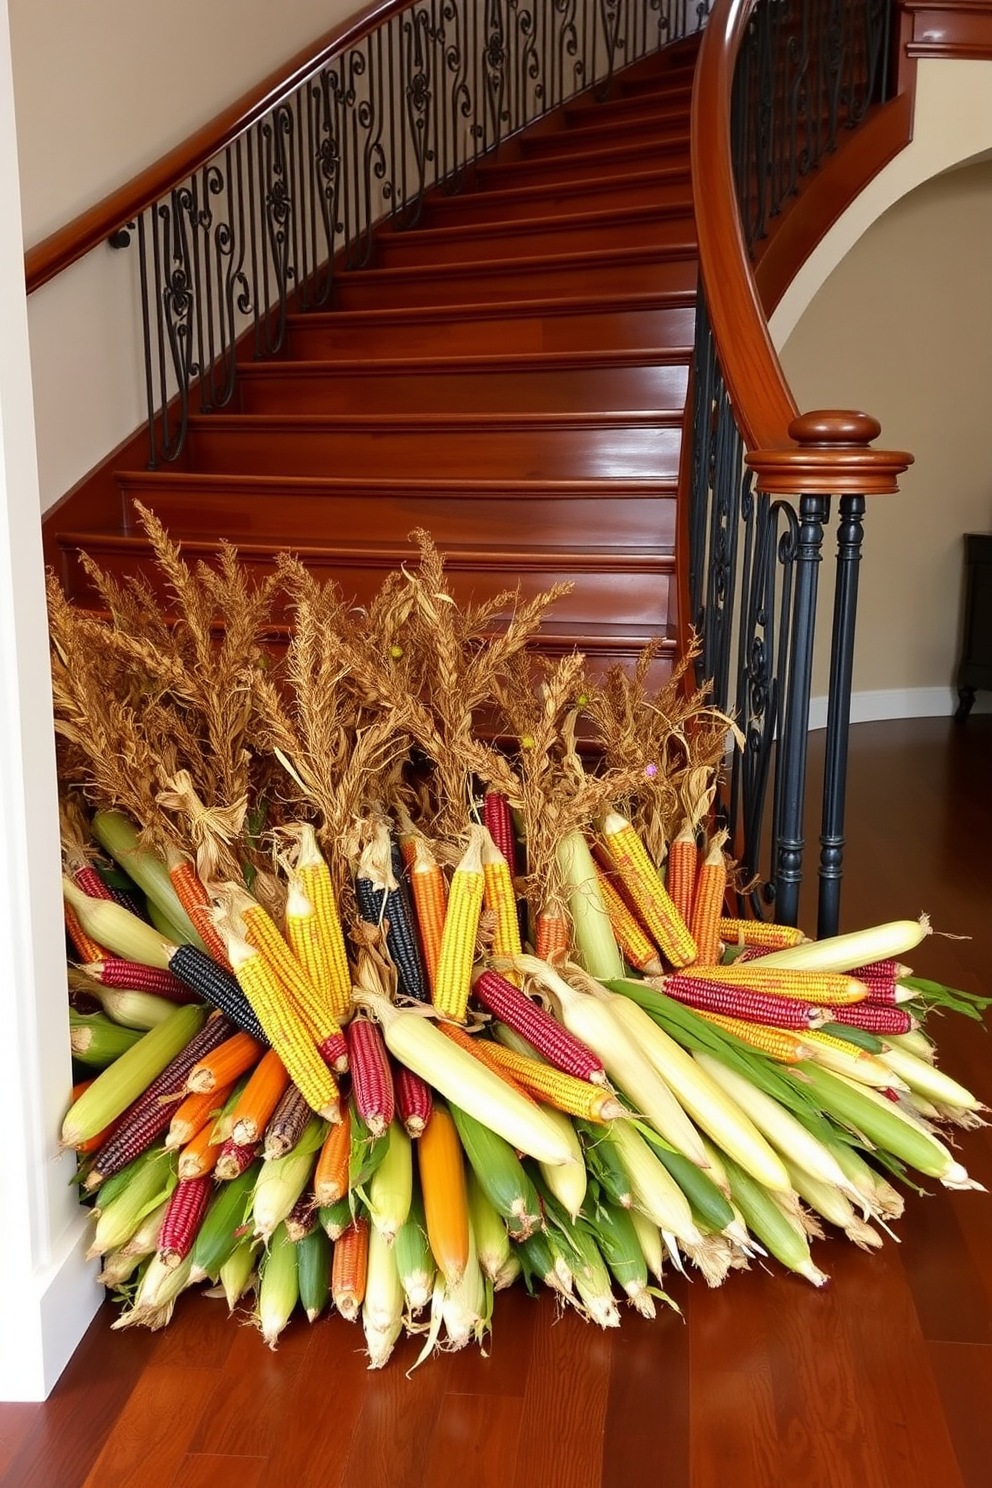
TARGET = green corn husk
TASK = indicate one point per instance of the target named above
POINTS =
(604, 1164)
(414, 1261)
(382, 1305)
(128, 1009)
(489, 1229)
(709, 1205)
(500, 1173)
(651, 1243)
(313, 1269)
(223, 1224)
(335, 1218)
(614, 1233)
(152, 1182)
(237, 1273)
(567, 1181)
(577, 1249)
(121, 1263)
(115, 1088)
(96, 1040)
(595, 942)
(924, 1079)
(783, 1238)
(111, 1188)
(655, 1192)
(278, 1286)
(282, 1180)
(119, 837)
(869, 1043)
(156, 1295)
(390, 1189)
(538, 1260)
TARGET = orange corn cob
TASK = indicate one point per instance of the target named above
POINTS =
(87, 948)
(196, 902)
(817, 987)
(199, 1155)
(349, 1269)
(430, 898)
(759, 933)
(482, 1050)
(778, 1043)
(499, 897)
(285, 1029)
(442, 1181)
(633, 942)
(552, 936)
(330, 1179)
(259, 1099)
(707, 904)
(543, 1081)
(223, 1065)
(316, 884)
(197, 1111)
(453, 983)
(654, 904)
(682, 871)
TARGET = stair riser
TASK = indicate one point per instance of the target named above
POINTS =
(398, 249)
(604, 132)
(577, 453)
(646, 190)
(663, 108)
(627, 598)
(647, 155)
(588, 523)
(544, 279)
(593, 390)
(497, 332)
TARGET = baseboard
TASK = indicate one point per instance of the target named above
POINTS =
(46, 1316)
(899, 702)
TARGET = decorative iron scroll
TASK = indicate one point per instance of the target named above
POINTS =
(266, 225)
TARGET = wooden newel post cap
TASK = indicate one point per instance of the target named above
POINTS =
(831, 456)
(834, 426)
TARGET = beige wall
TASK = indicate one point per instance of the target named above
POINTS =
(903, 329)
(102, 88)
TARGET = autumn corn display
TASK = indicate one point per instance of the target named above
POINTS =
(374, 1018)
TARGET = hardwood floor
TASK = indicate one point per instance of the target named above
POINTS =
(882, 1379)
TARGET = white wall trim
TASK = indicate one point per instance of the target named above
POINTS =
(899, 702)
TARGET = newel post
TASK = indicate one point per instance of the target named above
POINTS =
(832, 455)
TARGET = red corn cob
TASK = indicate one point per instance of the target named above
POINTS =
(414, 1100)
(234, 1158)
(741, 1002)
(133, 976)
(183, 1218)
(496, 816)
(882, 990)
(884, 971)
(334, 1052)
(546, 1034)
(91, 883)
(873, 1018)
(371, 1079)
(148, 1116)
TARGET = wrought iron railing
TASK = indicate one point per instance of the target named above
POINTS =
(407, 104)
(761, 487)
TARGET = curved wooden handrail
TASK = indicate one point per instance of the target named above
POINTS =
(764, 407)
(92, 227)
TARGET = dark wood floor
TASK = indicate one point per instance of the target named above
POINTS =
(882, 1379)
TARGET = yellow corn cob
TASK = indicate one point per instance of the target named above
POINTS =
(453, 982)
(305, 940)
(821, 988)
(845, 1058)
(777, 1043)
(500, 899)
(284, 1028)
(262, 933)
(315, 882)
(637, 948)
(759, 933)
(564, 1092)
(654, 904)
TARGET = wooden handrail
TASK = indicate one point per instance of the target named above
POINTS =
(764, 407)
(94, 226)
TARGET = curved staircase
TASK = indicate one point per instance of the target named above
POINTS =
(510, 375)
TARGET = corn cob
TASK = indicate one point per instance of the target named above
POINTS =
(195, 901)
(840, 952)
(640, 879)
(707, 904)
(430, 897)
(875, 1019)
(224, 1063)
(819, 987)
(390, 1189)
(382, 1306)
(372, 1080)
(761, 933)
(217, 987)
(278, 1286)
(442, 1183)
(845, 1058)
(479, 1049)
(219, 1232)
(262, 935)
(637, 949)
(259, 1098)
(349, 1269)
(286, 1125)
(315, 882)
(500, 1174)
(499, 898)
(132, 976)
(565, 1092)
(183, 1218)
(742, 1002)
(97, 1041)
(778, 1043)
(119, 837)
(682, 869)
(552, 935)
(382, 901)
(234, 1159)
(86, 948)
(453, 981)
(499, 822)
(301, 1220)
(413, 1100)
(110, 925)
(193, 1113)
(330, 1179)
(546, 1034)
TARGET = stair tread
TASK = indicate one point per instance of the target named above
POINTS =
(579, 557)
(545, 262)
(496, 362)
(318, 485)
(596, 158)
(505, 196)
(452, 232)
(536, 305)
(332, 422)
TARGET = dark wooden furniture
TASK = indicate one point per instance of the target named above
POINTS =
(975, 669)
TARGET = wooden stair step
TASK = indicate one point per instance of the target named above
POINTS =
(657, 118)
(649, 187)
(639, 269)
(598, 514)
(581, 231)
(515, 327)
(536, 447)
(674, 102)
(594, 382)
(626, 590)
(578, 165)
